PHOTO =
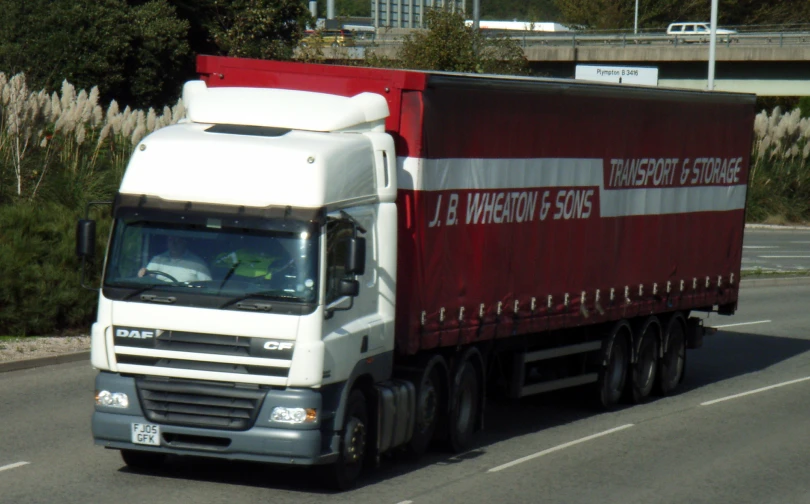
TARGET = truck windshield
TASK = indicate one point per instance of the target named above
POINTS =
(212, 261)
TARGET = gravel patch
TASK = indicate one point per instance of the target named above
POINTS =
(36, 347)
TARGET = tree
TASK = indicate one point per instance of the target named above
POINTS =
(449, 45)
(128, 52)
(267, 29)
(85, 41)
(160, 58)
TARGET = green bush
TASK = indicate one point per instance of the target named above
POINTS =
(41, 293)
(804, 106)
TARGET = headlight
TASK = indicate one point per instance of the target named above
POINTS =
(112, 399)
(293, 415)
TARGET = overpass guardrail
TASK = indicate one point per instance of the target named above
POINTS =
(580, 39)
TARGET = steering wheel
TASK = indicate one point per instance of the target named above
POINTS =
(156, 273)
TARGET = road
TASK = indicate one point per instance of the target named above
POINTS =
(776, 250)
(702, 445)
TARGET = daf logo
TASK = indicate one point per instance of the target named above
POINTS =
(134, 333)
(278, 345)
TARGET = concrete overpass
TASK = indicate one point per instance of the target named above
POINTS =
(746, 65)
(768, 64)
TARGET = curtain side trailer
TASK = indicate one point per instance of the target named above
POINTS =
(378, 250)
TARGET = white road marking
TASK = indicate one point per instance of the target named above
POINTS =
(763, 389)
(786, 257)
(741, 324)
(13, 466)
(557, 448)
(759, 247)
(405, 502)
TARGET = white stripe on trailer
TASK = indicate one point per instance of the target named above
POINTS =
(671, 200)
(538, 173)
(458, 174)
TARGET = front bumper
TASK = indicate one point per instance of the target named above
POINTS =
(265, 441)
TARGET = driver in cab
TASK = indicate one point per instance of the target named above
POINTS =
(177, 264)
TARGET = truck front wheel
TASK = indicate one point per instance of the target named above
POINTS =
(343, 474)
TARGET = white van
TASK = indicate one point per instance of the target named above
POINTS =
(698, 32)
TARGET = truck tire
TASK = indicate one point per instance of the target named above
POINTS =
(464, 407)
(613, 372)
(673, 363)
(644, 371)
(428, 409)
(344, 473)
(143, 460)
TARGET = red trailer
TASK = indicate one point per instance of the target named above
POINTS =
(527, 205)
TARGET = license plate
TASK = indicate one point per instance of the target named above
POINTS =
(146, 434)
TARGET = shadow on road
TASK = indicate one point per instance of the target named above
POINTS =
(724, 355)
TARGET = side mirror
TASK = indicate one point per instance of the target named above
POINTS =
(355, 256)
(349, 288)
(86, 238)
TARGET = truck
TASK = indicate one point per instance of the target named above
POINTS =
(359, 257)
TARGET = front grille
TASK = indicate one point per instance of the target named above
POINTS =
(184, 343)
(192, 404)
(214, 367)
(203, 343)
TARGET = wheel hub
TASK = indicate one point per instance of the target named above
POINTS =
(355, 441)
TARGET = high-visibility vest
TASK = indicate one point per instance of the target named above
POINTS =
(251, 264)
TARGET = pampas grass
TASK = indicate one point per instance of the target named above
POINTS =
(67, 133)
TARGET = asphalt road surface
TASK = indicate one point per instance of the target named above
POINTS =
(737, 433)
(776, 250)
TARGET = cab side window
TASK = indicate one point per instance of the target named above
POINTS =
(337, 234)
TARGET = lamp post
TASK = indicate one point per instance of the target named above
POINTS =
(712, 45)
(635, 24)
(476, 14)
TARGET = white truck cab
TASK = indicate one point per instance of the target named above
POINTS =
(283, 204)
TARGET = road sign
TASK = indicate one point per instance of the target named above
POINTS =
(647, 76)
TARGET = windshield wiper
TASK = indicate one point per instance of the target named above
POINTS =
(256, 306)
(142, 289)
(228, 275)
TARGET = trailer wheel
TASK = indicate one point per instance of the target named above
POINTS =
(428, 410)
(143, 460)
(644, 371)
(464, 407)
(344, 473)
(673, 363)
(613, 374)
